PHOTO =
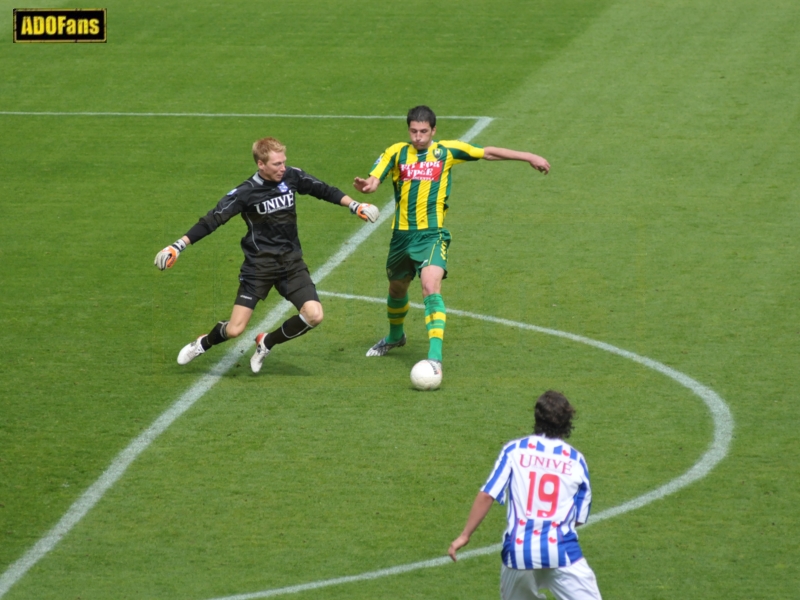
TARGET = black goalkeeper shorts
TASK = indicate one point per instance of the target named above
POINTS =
(291, 279)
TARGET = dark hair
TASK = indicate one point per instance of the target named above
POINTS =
(421, 114)
(553, 414)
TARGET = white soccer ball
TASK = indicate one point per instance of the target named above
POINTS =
(426, 375)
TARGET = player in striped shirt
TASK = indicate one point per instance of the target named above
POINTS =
(420, 173)
(545, 484)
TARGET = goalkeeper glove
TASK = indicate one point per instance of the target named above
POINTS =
(167, 257)
(367, 212)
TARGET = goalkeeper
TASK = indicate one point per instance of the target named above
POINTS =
(272, 253)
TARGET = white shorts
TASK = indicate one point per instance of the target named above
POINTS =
(575, 582)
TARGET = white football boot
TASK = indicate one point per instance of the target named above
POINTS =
(260, 354)
(190, 351)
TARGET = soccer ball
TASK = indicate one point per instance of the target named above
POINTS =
(426, 375)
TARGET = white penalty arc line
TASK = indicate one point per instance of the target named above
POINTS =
(123, 460)
(718, 449)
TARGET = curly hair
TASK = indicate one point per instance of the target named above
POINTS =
(553, 415)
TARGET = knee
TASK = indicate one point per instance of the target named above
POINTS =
(312, 313)
(234, 330)
(431, 287)
(431, 280)
(398, 288)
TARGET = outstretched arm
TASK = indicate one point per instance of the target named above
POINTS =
(364, 211)
(167, 257)
(228, 206)
(480, 508)
(537, 162)
(366, 186)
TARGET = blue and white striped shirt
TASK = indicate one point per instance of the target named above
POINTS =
(545, 484)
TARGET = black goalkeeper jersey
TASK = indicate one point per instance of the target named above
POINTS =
(268, 208)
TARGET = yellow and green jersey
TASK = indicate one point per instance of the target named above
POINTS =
(422, 180)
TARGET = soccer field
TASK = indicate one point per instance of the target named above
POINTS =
(653, 276)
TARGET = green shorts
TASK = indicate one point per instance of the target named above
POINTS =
(412, 251)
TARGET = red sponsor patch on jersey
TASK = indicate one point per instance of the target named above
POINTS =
(421, 171)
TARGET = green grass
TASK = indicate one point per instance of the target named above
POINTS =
(667, 227)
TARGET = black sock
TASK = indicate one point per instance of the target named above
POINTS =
(216, 336)
(291, 328)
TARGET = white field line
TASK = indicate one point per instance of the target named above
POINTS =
(124, 459)
(718, 449)
(49, 113)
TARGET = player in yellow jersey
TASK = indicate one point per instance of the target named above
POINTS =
(420, 171)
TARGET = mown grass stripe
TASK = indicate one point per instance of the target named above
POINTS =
(723, 433)
(219, 115)
(123, 460)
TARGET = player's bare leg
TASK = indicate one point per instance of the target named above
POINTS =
(222, 331)
(240, 317)
(311, 315)
(396, 310)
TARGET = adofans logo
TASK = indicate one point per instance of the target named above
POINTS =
(60, 25)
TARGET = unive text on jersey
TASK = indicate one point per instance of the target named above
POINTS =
(272, 205)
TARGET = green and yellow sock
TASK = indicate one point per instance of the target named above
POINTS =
(435, 320)
(396, 310)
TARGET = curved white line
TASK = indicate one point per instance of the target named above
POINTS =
(123, 460)
(718, 449)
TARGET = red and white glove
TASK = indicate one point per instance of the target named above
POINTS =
(167, 257)
(367, 212)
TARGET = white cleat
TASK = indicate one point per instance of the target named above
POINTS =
(382, 347)
(190, 351)
(260, 354)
